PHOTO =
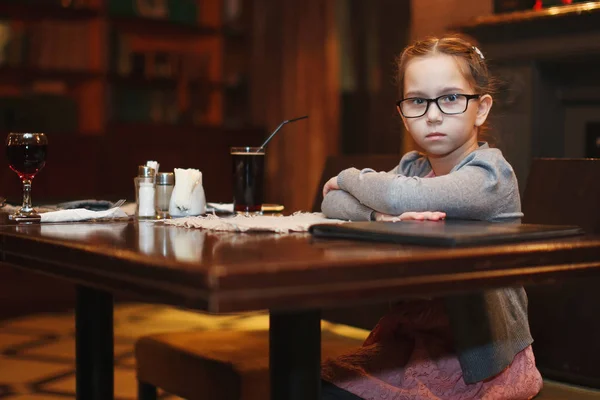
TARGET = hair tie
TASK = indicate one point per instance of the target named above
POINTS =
(478, 52)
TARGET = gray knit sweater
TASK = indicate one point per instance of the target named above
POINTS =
(489, 327)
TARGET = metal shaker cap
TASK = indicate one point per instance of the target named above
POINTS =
(165, 178)
(146, 172)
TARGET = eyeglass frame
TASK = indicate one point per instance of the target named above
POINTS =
(429, 101)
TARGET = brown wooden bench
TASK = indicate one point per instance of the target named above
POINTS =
(215, 365)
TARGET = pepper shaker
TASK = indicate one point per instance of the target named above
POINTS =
(144, 193)
(165, 182)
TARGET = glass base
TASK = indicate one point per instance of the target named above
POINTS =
(25, 217)
(249, 213)
(248, 210)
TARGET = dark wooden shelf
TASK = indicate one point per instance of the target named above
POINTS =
(170, 131)
(553, 13)
(157, 129)
(167, 83)
(233, 33)
(554, 21)
(141, 81)
(160, 27)
(21, 75)
(88, 86)
(36, 12)
(62, 137)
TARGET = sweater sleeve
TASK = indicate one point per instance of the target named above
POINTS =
(481, 188)
(340, 204)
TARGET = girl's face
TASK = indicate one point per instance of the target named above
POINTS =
(438, 134)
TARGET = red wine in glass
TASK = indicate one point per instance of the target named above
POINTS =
(26, 160)
(26, 153)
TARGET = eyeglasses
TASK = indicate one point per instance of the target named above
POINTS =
(450, 104)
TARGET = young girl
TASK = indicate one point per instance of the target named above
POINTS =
(475, 346)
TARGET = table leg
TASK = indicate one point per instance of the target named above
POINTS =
(295, 355)
(94, 345)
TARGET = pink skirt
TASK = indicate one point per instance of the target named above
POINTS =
(409, 355)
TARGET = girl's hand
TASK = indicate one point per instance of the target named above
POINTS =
(330, 185)
(412, 215)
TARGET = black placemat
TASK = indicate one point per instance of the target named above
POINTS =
(448, 233)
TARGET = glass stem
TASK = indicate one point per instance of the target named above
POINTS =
(26, 196)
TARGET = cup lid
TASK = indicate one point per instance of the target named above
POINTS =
(145, 171)
(165, 178)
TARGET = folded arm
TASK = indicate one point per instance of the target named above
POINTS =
(474, 191)
(340, 204)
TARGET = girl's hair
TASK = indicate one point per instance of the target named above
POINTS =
(464, 49)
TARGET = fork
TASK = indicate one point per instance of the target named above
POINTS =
(118, 203)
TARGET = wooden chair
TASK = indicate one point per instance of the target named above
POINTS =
(564, 317)
(234, 365)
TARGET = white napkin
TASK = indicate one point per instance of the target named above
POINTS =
(154, 165)
(186, 181)
(223, 207)
(81, 214)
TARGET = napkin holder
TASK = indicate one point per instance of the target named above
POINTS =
(197, 203)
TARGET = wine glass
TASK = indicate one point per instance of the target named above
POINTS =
(26, 153)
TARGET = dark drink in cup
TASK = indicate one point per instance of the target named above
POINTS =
(248, 177)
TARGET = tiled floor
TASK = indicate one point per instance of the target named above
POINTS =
(37, 352)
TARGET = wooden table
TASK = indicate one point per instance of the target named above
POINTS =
(294, 276)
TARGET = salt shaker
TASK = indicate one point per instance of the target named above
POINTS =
(144, 192)
(165, 182)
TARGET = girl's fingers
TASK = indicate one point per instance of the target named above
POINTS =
(408, 216)
(434, 215)
(439, 215)
(413, 216)
(421, 216)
